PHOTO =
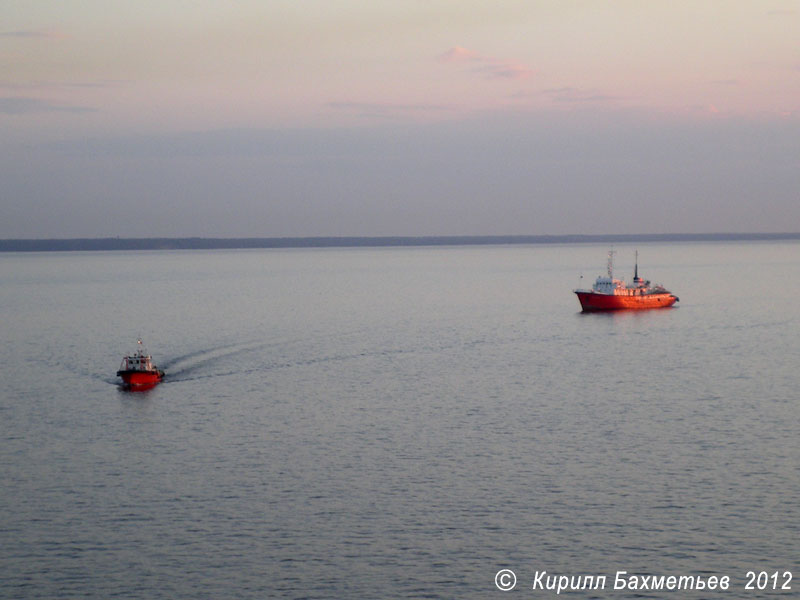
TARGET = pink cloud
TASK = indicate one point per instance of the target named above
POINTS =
(507, 71)
(487, 66)
(459, 54)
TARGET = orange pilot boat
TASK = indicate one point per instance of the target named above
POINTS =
(139, 370)
(608, 293)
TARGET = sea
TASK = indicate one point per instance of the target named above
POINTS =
(412, 422)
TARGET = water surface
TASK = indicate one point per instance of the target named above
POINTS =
(395, 422)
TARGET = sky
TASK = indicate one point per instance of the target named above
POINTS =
(284, 118)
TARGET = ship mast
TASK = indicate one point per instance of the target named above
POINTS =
(636, 268)
(611, 264)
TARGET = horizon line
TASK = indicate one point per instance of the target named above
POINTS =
(222, 243)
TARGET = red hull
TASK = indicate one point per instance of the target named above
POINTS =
(141, 377)
(593, 302)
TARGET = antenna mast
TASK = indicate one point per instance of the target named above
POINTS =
(611, 264)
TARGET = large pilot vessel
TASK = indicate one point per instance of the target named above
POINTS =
(608, 293)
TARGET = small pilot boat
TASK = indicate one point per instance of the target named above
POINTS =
(138, 369)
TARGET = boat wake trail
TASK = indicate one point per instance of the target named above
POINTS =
(186, 360)
(187, 366)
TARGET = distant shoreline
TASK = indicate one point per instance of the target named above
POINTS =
(198, 243)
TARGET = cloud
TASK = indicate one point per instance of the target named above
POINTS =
(27, 106)
(486, 66)
(61, 85)
(708, 110)
(459, 54)
(576, 95)
(506, 71)
(32, 34)
(386, 109)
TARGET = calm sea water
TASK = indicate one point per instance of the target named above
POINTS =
(396, 423)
